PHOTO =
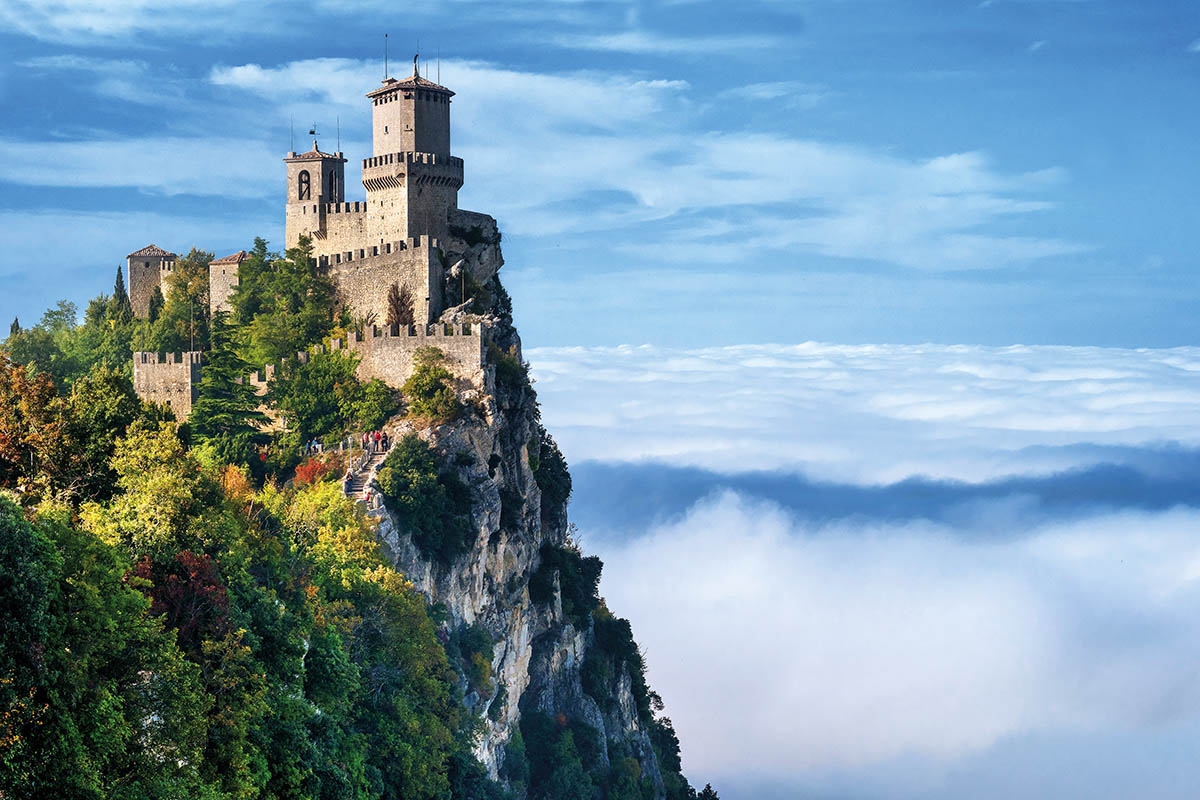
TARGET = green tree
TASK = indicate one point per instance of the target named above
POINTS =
(429, 391)
(322, 396)
(15, 328)
(100, 407)
(433, 504)
(121, 305)
(225, 415)
(708, 793)
(183, 323)
(283, 308)
(155, 309)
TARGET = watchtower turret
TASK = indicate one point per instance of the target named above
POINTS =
(314, 180)
(148, 268)
(412, 181)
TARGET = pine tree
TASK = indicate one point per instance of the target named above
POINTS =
(15, 328)
(226, 415)
(120, 299)
(708, 793)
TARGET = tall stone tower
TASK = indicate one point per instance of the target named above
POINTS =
(411, 179)
(148, 268)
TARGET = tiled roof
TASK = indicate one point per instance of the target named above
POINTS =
(413, 81)
(236, 258)
(150, 250)
(313, 154)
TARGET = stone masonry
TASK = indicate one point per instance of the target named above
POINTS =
(148, 268)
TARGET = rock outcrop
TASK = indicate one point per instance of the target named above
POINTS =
(539, 650)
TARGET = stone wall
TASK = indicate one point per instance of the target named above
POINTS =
(364, 275)
(147, 273)
(388, 354)
(222, 280)
(172, 380)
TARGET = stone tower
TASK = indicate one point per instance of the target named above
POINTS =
(411, 179)
(316, 181)
(148, 268)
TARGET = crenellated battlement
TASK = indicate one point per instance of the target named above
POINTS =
(408, 159)
(425, 243)
(172, 379)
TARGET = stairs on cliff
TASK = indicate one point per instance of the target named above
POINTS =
(363, 475)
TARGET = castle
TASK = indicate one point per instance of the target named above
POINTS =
(394, 238)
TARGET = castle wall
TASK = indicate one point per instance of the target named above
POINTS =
(388, 355)
(172, 380)
(364, 275)
(345, 229)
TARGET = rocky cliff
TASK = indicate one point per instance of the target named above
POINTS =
(555, 651)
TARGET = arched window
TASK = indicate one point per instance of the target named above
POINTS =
(305, 187)
(331, 191)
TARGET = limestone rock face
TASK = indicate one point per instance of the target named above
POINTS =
(538, 654)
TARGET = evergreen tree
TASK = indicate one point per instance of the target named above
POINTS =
(122, 307)
(156, 305)
(15, 328)
(708, 793)
(226, 414)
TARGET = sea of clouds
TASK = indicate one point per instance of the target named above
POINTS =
(901, 571)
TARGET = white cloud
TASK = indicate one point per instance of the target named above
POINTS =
(88, 20)
(869, 413)
(618, 150)
(645, 42)
(216, 165)
(123, 79)
(789, 651)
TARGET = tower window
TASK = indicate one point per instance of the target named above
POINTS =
(305, 185)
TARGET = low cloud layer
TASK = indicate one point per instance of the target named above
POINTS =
(881, 660)
(901, 571)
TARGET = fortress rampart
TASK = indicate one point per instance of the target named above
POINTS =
(365, 274)
(384, 353)
(172, 380)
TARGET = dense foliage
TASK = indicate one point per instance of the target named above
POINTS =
(429, 391)
(428, 497)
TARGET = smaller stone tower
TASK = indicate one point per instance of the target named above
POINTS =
(223, 278)
(148, 268)
(315, 180)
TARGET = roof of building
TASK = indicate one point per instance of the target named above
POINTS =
(414, 81)
(150, 250)
(236, 258)
(313, 154)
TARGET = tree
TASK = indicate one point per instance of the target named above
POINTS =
(432, 503)
(225, 415)
(120, 300)
(708, 793)
(15, 328)
(156, 305)
(283, 308)
(429, 391)
(400, 306)
(184, 320)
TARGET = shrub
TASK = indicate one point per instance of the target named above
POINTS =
(430, 389)
(433, 504)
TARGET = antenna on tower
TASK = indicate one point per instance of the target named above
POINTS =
(385, 57)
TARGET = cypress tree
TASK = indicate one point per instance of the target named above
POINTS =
(156, 305)
(15, 328)
(120, 298)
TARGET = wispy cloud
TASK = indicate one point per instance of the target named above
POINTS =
(868, 414)
(122, 79)
(646, 42)
(617, 150)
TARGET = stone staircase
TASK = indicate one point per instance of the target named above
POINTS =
(363, 475)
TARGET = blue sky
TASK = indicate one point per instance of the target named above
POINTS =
(984, 172)
(874, 321)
